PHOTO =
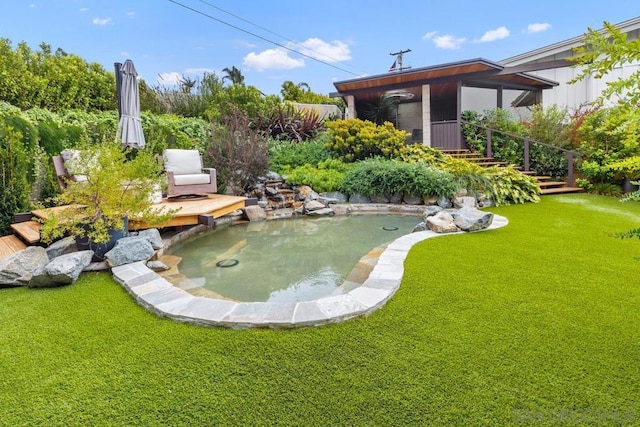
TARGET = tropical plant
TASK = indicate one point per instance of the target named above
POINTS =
(286, 122)
(234, 75)
(329, 175)
(378, 111)
(352, 139)
(237, 152)
(116, 185)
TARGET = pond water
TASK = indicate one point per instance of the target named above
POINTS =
(285, 260)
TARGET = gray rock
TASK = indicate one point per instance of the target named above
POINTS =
(321, 212)
(333, 197)
(63, 270)
(271, 192)
(157, 266)
(464, 202)
(359, 198)
(153, 236)
(281, 213)
(128, 250)
(61, 247)
(273, 176)
(254, 213)
(307, 193)
(431, 210)
(412, 199)
(421, 226)
(430, 200)
(396, 199)
(17, 269)
(380, 198)
(442, 222)
(444, 203)
(471, 219)
(313, 205)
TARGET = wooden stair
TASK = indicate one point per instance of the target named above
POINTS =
(544, 182)
(9, 245)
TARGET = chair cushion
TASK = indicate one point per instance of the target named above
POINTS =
(182, 162)
(71, 159)
(191, 179)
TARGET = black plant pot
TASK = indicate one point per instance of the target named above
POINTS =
(99, 249)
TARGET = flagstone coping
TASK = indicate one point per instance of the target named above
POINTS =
(166, 300)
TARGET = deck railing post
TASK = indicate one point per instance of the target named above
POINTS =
(526, 155)
(570, 178)
(489, 147)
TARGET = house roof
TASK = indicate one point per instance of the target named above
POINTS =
(443, 78)
(564, 46)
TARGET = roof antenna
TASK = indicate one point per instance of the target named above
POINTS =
(397, 64)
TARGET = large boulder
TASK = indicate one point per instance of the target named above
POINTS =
(444, 202)
(471, 219)
(332, 197)
(464, 202)
(128, 250)
(306, 193)
(431, 210)
(321, 212)
(153, 236)
(17, 269)
(313, 205)
(62, 247)
(359, 198)
(442, 222)
(62, 270)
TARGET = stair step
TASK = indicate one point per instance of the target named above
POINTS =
(559, 190)
(29, 231)
(542, 178)
(552, 184)
(10, 245)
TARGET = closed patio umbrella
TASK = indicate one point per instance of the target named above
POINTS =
(130, 128)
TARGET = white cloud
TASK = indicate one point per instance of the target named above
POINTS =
(429, 35)
(448, 42)
(537, 27)
(493, 35)
(271, 59)
(335, 51)
(171, 78)
(101, 21)
(84, 9)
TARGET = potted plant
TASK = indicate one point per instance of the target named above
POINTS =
(108, 191)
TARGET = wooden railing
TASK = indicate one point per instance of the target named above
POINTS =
(526, 166)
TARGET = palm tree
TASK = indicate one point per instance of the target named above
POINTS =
(234, 75)
(186, 84)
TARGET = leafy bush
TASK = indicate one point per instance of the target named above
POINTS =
(329, 175)
(293, 154)
(606, 141)
(387, 177)
(352, 140)
(14, 169)
(422, 153)
(238, 152)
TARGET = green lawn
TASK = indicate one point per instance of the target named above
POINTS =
(538, 321)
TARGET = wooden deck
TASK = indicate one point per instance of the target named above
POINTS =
(189, 212)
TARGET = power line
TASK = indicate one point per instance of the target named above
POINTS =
(274, 33)
(260, 37)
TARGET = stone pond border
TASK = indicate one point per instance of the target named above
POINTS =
(159, 296)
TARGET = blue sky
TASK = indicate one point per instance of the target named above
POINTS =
(353, 38)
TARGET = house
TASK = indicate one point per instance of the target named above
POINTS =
(429, 101)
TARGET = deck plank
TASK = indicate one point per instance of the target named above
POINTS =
(10, 245)
(28, 230)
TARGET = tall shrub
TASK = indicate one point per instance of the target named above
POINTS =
(14, 169)
(238, 152)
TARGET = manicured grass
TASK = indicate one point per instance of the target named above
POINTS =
(538, 321)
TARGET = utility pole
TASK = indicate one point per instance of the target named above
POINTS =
(398, 56)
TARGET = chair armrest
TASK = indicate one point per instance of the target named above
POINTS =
(211, 172)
